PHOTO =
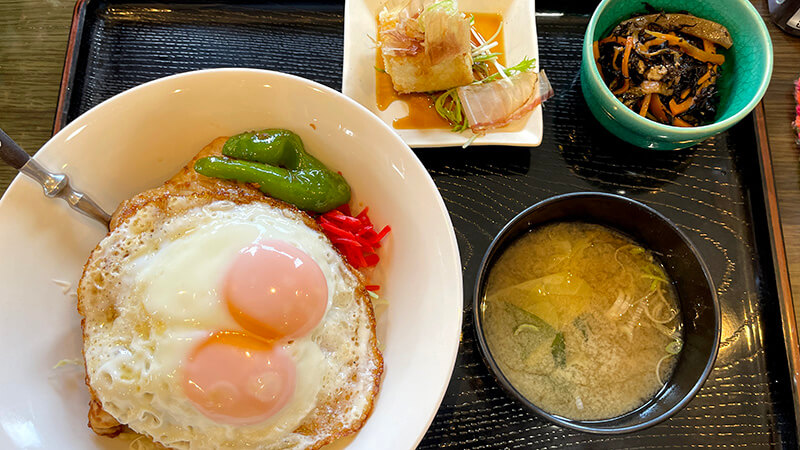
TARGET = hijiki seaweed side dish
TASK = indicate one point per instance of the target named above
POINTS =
(665, 66)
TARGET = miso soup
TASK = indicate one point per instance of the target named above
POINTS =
(582, 320)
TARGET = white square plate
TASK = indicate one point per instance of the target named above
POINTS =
(358, 73)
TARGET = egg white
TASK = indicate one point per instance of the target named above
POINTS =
(171, 287)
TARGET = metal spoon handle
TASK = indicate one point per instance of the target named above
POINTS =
(12, 153)
(54, 184)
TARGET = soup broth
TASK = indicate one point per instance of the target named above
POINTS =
(582, 320)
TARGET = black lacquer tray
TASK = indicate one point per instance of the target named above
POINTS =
(720, 193)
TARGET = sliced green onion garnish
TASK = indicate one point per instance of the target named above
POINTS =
(674, 347)
(485, 57)
(525, 327)
(523, 66)
(448, 105)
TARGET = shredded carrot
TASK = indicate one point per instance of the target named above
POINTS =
(678, 122)
(645, 105)
(685, 93)
(614, 59)
(625, 72)
(623, 88)
(657, 108)
(627, 56)
(645, 47)
(596, 51)
(688, 48)
(705, 77)
(680, 108)
(619, 40)
(708, 46)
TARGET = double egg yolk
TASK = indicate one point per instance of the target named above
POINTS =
(276, 293)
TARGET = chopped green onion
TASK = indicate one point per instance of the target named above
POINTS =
(448, 105)
(376, 299)
(469, 141)
(525, 327)
(481, 68)
(485, 57)
(378, 69)
(68, 362)
(658, 369)
(654, 277)
(527, 64)
(446, 5)
(483, 43)
(674, 347)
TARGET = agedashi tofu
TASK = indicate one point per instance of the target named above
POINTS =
(425, 45)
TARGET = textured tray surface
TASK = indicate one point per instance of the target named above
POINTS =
(712, 191)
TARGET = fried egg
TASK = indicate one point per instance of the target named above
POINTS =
(210, 323)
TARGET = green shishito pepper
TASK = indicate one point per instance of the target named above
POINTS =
(277, 162)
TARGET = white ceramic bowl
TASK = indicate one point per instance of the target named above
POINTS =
(137, 140)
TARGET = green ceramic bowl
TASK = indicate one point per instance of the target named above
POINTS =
(743, 80)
